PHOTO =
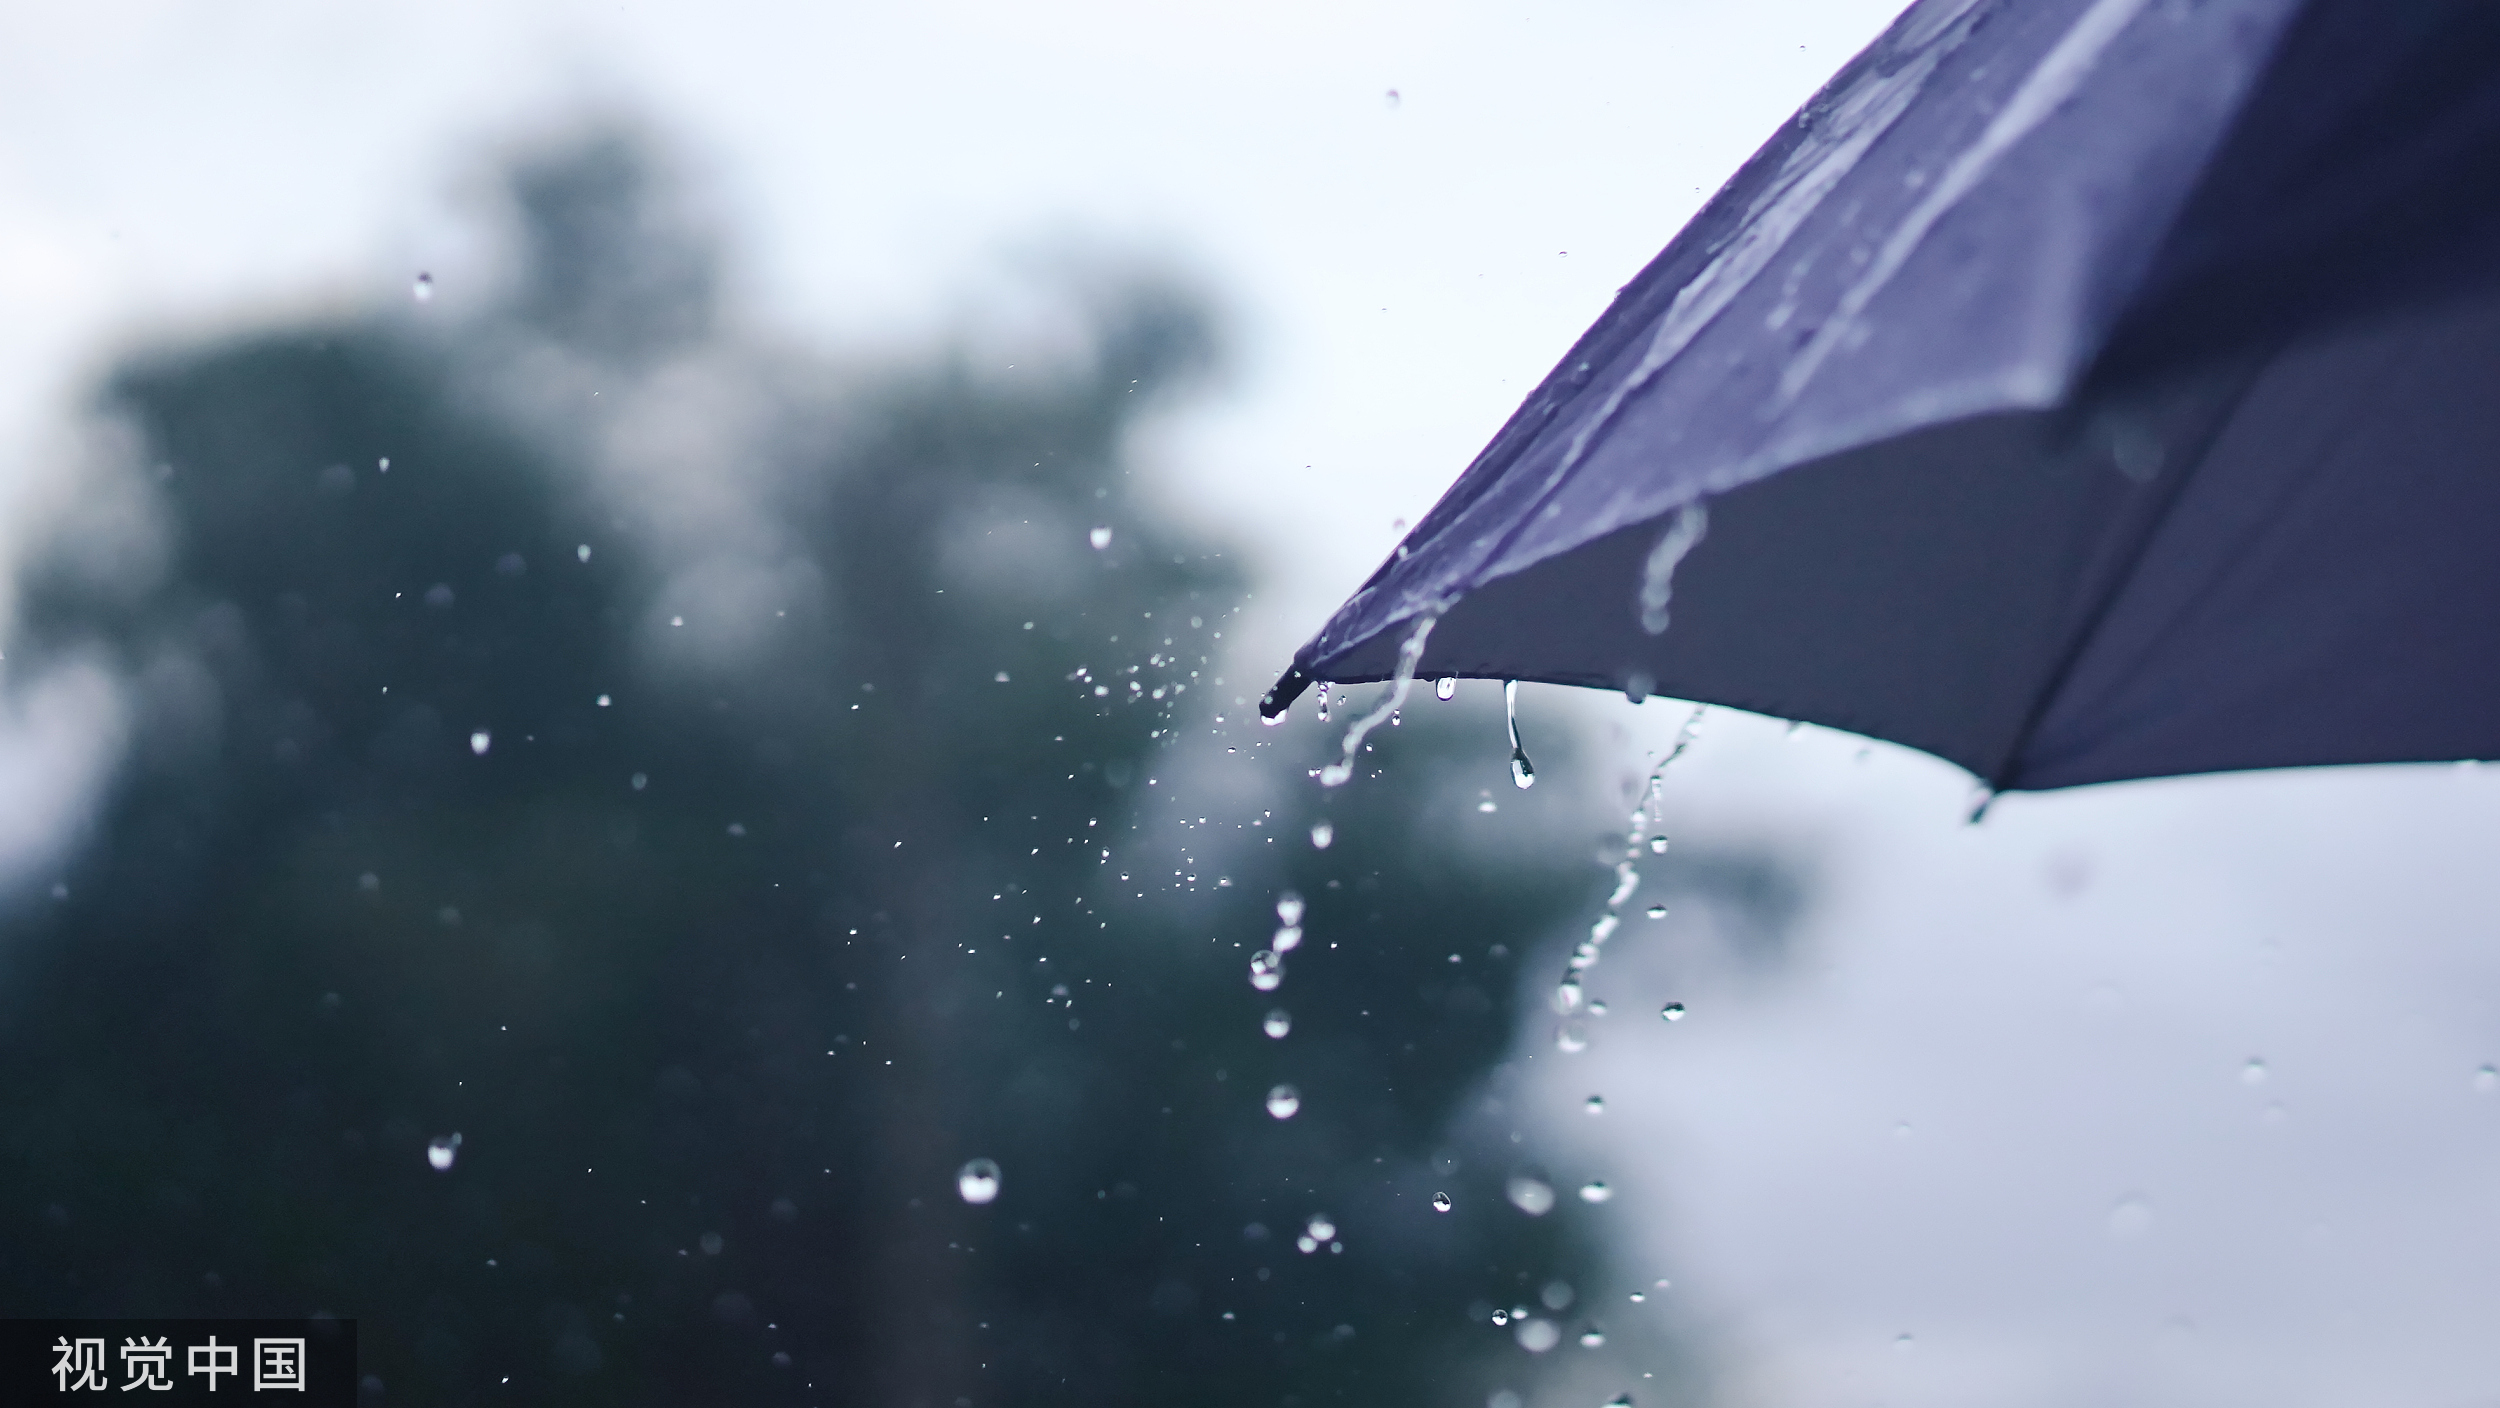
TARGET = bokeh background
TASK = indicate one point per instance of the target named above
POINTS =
(723, 773)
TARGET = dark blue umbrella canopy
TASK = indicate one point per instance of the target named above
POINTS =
(2076, 389)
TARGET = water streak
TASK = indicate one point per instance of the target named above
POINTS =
(1338, 773)
(2044, 90)
(1658, 573)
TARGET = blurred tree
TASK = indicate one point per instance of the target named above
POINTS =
(621, 813)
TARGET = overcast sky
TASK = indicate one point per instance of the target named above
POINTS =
(2003, 1104)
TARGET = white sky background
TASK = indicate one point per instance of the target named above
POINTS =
(2059, 1004)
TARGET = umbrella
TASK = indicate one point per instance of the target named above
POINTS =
(2076, 390)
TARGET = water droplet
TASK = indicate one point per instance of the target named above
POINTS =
(1596, 1105)
(1981, 800)
(1538, 1336)
(1279, 1021)
(2132, 1217)
(1531, 1196)
(1620, 1400)
(440, 1152)
(977, 1181)
(1486, 805)
(1567, 994)
(1501, 1317)
(1673, 1012)
(1592, 1337)
(1287, 939)
(480, 741)
(1282, 1102)
(1100, 538)
(1638, 1298)
(2486, 1080)
(582, 553)
(1289, 908)
(1904, 1341)
(1446, 689)
(641, 781)
(1571, 1038)
(711, 1243)
(1597, 1008)
(2254, 1073)
(1319, 700)
(1320, 1229)
(1522, 772)
(1440, 1202)
(423, 289)
(1266, 970)
(1595, 1192)
(1657, 846)
(1638, 686)
(1305, 1244)
(1322, 834)
(1657, 911)
(1274, 720)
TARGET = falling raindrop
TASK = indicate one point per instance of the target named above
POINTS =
(1320, 1229)
(1592, 1337)
(1100, 538)
(1322, 834)
(1279, 1021)
(1596, 1105)
(1440, 1202)
(1487, 804)
(1673, 1012)
(2486, 1080)
(1657, 847)
(1522, 772)
(440, 1152)
(1319, 699)
(1501, 1317)
(1287, 939)
(1538, 1336)
(1532, 1196)
(1620, 1400)
(1595, 1192)
(1446, 689)
(2254, 1073)
(582, 553)
(1266, 970)
(1657, 911)
(1289, 908)
(1282, 1102)
(480, 741)
(1567, 994)
(1571, 1038)
(423, 291)
(977, 1181)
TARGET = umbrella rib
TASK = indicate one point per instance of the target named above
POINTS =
(2121, 570)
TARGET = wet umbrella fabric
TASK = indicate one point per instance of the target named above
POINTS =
(2077, 390)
